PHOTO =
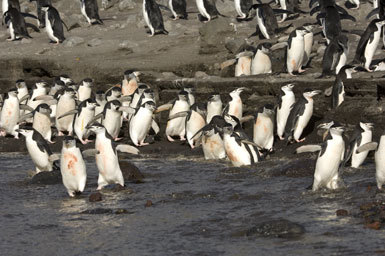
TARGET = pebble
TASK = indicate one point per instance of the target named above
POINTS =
(95, 197)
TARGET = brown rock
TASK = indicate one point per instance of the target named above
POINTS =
(95, 197)
(374, 225)
(148, 203)
(342, 212)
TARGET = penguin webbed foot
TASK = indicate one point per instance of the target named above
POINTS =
(170, 138)
(300, 140)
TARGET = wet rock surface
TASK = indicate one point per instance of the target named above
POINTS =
(47, 178)
(277, 228)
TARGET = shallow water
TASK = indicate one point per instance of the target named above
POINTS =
(199, 208)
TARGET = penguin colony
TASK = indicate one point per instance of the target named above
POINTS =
(77, 111)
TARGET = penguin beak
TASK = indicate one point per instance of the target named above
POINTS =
(290, 86)
(325, 125)
(315, 92)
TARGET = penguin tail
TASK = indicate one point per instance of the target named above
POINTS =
(310, 187)
(254, 34)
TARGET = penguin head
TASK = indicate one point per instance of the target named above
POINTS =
(189, 89)
(142, 87)
(90, 104)
(233, 120)
(264, 47)
(218, 122)
(379, 23)
(309, 93)
(96, 128)
(268, 109)
(65, 78)
(20, 84)
(131, 74)
(69, 142)
(69, 92)
(149, 94)
(336, 129)
(114, 105)
(208, 130)
(43, 109)
(12, 93)
(58, 84)
(150, 105)
(301, 31)
(114, 93)
(287, 88)
(41, 85)
(183, 95)
(46, 7)
(214, 97)
(346, 71)
(88, 82)
(237, 92)
(25, 131)
(366, 126)
(73, 86)
(308, 27)
(227, 129)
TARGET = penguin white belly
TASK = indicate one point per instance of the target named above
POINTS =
(236, 108)
(42, 124)
(108, 164)
(193, 125)
(63, 106)
(140, 125)
(342, 61)
(380, 163)
(49, 30)
(284, 112)
(40, 159)
(326, 169)
(262, 26)
(359, 158)
(295, 55)
(242, 68)
(9, 116)
(81, 122)
(303, 120)
(238, 9)
(147, 19)
(202, 9)
(263, 132)
(73, 170)
(12, 31)
(308, 41)
(112, 122)
(128, 88)
(213, 147)
(84, 93)
(213, 109)
(341, 96)
(53, 110)
(176, 126)
(238, 155)
(4, 6)
(370, 49)
(283, 7)
(261, 64)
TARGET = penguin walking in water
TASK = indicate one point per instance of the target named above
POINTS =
(178, 9)
(140, 123)
(10, 114)
(107, 158)
(378, 158)
(153, 17)
(90, 10)
(237, 148)
(214, 106)
(300, 115)
(362, 135)
(338, 91)
(38, 150)
(285, 103)
(177, 126)
(40, 12)
(17, 25)
(235, 106)
(329, 158)
(65, 104)
(261, 63)
(368, 43)
(242, 7)
(335, 55)
(72, 167)
(295, 51)
(207, 10)
(212, 143)
(85, 89)
(54, 24)
(263, 128)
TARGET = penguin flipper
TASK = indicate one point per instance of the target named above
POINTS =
(127, 149)
(36, 29)
(367, 147)
(282, 11)
(163, 108)
(347, 17)
(308, 148)
(93, 120)
(127, 109)
(246, 118)
(90, 152)
(228, 63)
(249, 143)
(65, 25)
(54, 157)
(314, 10)
(28, 15)
(155, 126)
(372, 12)
(24, 117)
(26, 107)
(43, 97)
(72, 112)
(179, 114)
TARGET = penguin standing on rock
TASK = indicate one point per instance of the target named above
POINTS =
(54, 24)
(368, 43)
(285, 104)
(335, 55)
(261, 63)
(178, 9)
(300, 115)
(90, 11)
(235, 106)
(338, 91)
(295, 51)
(9, 115)
(153, 17)
(17, 25)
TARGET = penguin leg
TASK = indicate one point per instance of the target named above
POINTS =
(300, 70)
(101, 182)
(71, 193)
(300, 140)
(169, 138)
(117, 139)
